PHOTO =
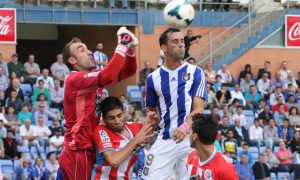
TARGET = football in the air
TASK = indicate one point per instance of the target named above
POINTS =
(179, 14)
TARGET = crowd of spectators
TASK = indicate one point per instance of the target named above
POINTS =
(254, 112)
(258, 111)
(31, 115)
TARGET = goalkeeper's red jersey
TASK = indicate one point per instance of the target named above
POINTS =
(81, 90)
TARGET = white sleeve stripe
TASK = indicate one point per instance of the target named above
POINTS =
(201, 88)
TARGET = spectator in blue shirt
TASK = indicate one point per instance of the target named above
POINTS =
(244, 169)
(24, 171)
(252, 97)
(39, 171)
(285, 132)
(246, 152)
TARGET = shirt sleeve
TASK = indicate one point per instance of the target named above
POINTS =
(103, 141)
(84, 80)
(151, 98)
(199, 85)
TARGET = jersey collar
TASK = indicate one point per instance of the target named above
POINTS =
(209, 159)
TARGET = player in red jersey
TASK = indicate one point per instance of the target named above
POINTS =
(205, 162)
(117, 142)
(81, 111)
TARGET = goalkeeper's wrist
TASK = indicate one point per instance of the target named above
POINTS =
(121, 49)
(186, 127)
(131, 52)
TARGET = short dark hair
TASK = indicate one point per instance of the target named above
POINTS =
(267, 62)
(164, 36)
(245, 144)
(218, 75)
(66, 50)
(206, 127)
(110, 103)
(256, 119)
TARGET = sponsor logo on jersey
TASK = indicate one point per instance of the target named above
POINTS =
(106, 145)
(186, 76)
(104, 137)
(91, 74)
(208, 174)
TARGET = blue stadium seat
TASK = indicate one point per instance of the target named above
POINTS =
(8, 171)
(7, 168)
(47, 149)
(27, 91)
(262, 149)
(253, 149)
(273, 176)
(132, 88)
(206, 111)
(248, 113)
(6, 162)
(254, 156)
(276, 148)
(283, 175)
(239, 149)
(16, 163)
(42, 155)
(34, 149)
(23, 149)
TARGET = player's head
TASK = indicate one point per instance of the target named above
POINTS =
(78, 55)
(204, 130)
(113, 113)
(172, 43)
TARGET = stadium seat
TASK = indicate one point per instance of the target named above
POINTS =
(248, 113)
(253, 149)
(34, 149)
(47, 149)
(27, 91)
(16, 163)
(8, 171)
(283, 175)
(239, 149)
(42, 155)
(206, 111)
(6, 162)
(132, 88)
(276, 148)
(273, 176)
(23, 149)
(254, 156)
(262, 149)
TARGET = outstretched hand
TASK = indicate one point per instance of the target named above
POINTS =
(145, 133)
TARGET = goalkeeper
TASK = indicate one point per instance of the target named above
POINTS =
(82, 86)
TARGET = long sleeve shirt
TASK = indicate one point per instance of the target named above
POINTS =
(270, 133)
(264, 87)
(255, 133)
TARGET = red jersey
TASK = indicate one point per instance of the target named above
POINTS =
(107, 139)
(215, 167)
(80, 99)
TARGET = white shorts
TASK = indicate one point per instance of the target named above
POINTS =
(166, 157)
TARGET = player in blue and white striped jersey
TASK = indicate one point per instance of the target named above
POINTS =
(175, 91)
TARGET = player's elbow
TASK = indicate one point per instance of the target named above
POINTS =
(114, 163)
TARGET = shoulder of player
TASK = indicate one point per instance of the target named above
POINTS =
(155, 72)
(102, 128)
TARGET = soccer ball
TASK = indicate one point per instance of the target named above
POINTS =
(179, 14)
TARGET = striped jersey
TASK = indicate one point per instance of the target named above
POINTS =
(107, 139)
(217, 166)
(101, 57)
(172, 92)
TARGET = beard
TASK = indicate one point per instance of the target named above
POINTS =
(193, 143)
